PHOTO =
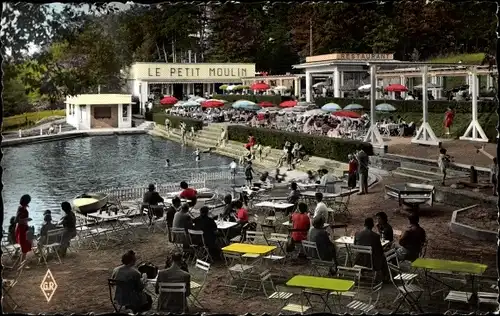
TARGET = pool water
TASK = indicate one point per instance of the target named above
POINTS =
(59, 171)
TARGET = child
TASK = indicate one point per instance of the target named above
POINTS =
(197, 154)
(311, 178)
(279, 177)
(12, 231)
(494, 175)
(249, 174)
(443, 162)
(353, 169)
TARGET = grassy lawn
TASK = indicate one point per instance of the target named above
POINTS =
(465, 58)
(28, 119)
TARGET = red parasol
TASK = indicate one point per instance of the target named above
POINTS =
(266, 104)
(349, 114)
(168, 100)
(396, 88)
(288, 104)
(260, 86)
(212, 104)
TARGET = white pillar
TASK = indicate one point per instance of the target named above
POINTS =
(474, 131)
(308, 87)
(129, 112)
(425, 135)
(120, 115)
(440, 82)
(468, 81)
(297, 87)
(21, 132)
(489, 82)
(336, 83)
(373, 136)
(434, 81)
(78, 115)
(342, 83)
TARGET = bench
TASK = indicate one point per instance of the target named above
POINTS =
(464, 297)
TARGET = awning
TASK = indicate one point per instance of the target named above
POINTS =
(184, 81)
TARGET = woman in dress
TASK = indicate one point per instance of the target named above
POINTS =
(68, 221)
(22, 228)
(448, 120)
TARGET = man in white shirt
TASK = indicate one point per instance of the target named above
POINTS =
(327, 177)
(321, 209)
(233, 166)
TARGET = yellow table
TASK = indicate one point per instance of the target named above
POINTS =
(248, 248)
(449, 265)
(322, 284)
(437, 265)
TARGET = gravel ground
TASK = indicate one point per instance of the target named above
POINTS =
(82, 286)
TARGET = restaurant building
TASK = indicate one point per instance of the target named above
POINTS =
(91, 111)
(183, 79)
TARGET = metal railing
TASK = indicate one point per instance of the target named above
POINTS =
(211, 176)
(127, 194)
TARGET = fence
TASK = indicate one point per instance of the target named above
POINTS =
(211, 176)
(126, 194)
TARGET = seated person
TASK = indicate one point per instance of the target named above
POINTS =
(326, 177)
(46, 226)
(152, 197)
(311, 178)
(229, 213)
(129, 291)
(384, 229)
(11, 238)
(300, 221)
(367, 237)
(209, 228)
(264, 178)
(412, 240)
(279, 177)
(171, 210)
(188, 193)
(293, 197)
(68, 221)
(183, 220)
(241, 212)
(318, 235)
(174, 302)
(321, 209)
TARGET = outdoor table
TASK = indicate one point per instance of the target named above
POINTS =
(457, 267)
(290, 224)
(312, 195)
(276, 206)
(113, 219)
(224, 227)
(348, 241)
(327, 285)
(249, 248)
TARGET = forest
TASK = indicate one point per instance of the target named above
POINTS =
(88, 48)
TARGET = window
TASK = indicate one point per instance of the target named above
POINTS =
(102, 112)
(124, 112)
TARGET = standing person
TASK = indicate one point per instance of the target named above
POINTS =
(183, 134)
(494, 176)
(22, 219)
(363, 161)
(233, 165)
(167, 163)
(353, 170)
(167, 126)
(449, 115)
(68, 221)
(249, 174)
(197, 154)
(251, 142)
(289, 155)
(443, 163)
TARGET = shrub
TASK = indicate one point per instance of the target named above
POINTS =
(404, 106)
(28, 119)
(276, 99)
(320, 146)
(175, 121)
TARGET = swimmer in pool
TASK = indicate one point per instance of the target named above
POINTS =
(167, 163)
(197, 154)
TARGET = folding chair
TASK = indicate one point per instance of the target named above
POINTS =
(179, 238)
(52, 243)
(255, 238)
(359, 304)
(392, 258)
(158, 222)
(317, 264)
(407, 292)
(172, 289)
(242, 236)
(236, 268)
(263, 278)
(283, 294)
(112, 285)
(341, 204)
(350, 274)
(197, 243)
(145, 213)
(8, 285)
(203, 268)
(12, 252)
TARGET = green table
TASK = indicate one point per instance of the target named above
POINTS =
(451, 266)
(322, 284)
(437, 265)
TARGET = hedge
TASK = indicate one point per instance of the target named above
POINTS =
(175, 121)
(275, 99)
(320, 146)
(403, 106)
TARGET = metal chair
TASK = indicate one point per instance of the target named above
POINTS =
(169, 289)
(51, 243)
(196, 287)
(112, 285)
(197, 243)
(179, 238)
(236, 268)
(8, 285)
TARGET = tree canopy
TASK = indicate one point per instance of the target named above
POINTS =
(86, 49)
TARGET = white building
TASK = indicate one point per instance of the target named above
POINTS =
(183, 79)
(90, 111)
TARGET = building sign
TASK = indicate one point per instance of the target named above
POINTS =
(48, 286)
(349, 56)
(191, 71)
